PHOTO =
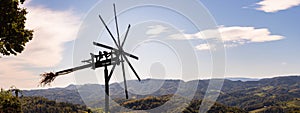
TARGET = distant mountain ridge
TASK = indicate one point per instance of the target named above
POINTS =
(242, 79)
(279, 93)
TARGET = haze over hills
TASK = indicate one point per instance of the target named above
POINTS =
(279, 93)
(242, 79)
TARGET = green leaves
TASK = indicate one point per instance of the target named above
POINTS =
(9, 103)
(43, 105)
(13, 35)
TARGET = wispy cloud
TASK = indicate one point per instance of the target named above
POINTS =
(52, 29)
(243, 35)
(155, 30)
(276, 5)
(203, 47)
(232, 36)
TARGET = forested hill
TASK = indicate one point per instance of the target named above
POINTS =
(43, 105)
(272, 94)
(10, 103)
(161, 104)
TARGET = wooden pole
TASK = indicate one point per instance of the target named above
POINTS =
(106, 89)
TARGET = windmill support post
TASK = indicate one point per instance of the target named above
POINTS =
(106, 89)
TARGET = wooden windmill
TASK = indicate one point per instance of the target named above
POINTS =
(113, 57)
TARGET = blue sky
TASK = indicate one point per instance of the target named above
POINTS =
(274, 53)
(265, 59)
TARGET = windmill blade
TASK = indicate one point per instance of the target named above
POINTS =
(111, 71)
(125, 35)
(132, 56)
(137, 76)
(112, 36)
(104, 46)
(125, 84)
(117, 26)
(111, 48)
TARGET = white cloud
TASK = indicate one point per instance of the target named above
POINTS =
(242, 35)
(276, 5)
(155, 30)
(232, 36)
(203, 47)
(52, 29)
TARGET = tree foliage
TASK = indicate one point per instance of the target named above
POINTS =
(151, 102)
(9, 103)
(13, 35)
(43, 105)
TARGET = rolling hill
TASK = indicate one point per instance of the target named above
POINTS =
(264, 95)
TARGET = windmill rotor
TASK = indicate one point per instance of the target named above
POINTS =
(113, 57)
(121, 54)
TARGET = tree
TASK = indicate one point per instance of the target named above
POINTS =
(13, 35)
(9, 103)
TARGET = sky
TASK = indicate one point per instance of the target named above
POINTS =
(261, 39)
